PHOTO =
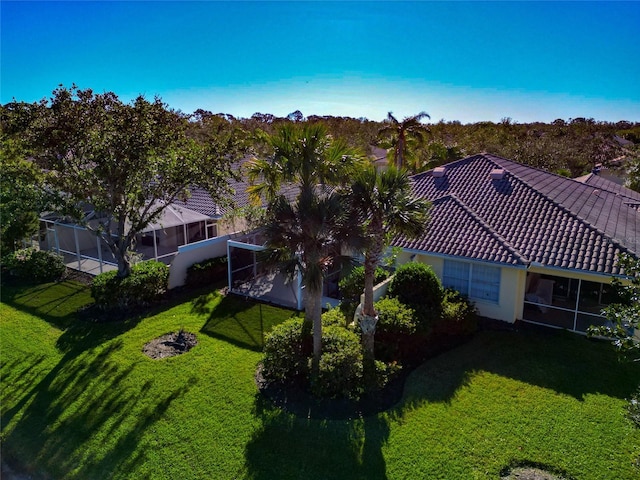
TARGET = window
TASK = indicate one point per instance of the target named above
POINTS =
(478, 282)
(456, 276)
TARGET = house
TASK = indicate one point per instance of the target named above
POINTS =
(182, 223)
(525, 244)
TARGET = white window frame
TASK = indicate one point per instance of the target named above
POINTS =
(472, 284)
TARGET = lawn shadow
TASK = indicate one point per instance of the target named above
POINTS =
(561, 361)
(84, 399)
(286, 446)
(56, 303)
(237, 320)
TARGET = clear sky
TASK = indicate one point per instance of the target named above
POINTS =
(467, 61)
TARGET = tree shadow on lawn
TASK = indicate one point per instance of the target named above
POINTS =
(561, 361)
(237, 320)
(286, 446)
(56, 303)
(66, 420)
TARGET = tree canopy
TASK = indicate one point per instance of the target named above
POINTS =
(128, 162)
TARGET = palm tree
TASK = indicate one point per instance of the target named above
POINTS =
(304, 155)
(386, 207)
(401, 135)
(306, 234)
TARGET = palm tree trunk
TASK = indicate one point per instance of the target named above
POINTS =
(313, 315)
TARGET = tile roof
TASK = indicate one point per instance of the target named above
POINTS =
(602, 183)
(527, 216)
(200, 200)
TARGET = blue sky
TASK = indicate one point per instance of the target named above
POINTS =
(467, 61)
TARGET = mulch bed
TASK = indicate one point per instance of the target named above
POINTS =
(170, 345)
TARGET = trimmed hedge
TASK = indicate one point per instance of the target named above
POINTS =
(415, 284)
(145, 285)
(334, 316)
(33, 265)
(284, 359)
(394, 317)
(340, 372)
(207, 272)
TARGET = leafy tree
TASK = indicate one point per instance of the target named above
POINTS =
(624, 316)
(22, 193)
(128, 161)
(305, 234)
(403, 135)
(22, 197)
(386, 207)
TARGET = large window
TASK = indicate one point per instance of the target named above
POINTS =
(478, 282)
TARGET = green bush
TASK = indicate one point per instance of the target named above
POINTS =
(352, 286)
(34, 265)
(385, 372)
(340, 372)
(284, 359)
(458, 315)
(144, 286)
(334, 317)
(415, 283)
(395, 317)
(207, 272)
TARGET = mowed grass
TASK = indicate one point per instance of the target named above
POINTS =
(81, 400)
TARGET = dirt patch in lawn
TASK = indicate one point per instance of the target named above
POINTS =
(531, 472)
(170, 345)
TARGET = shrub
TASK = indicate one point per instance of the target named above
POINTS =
(35, 265)
(284, 358)
(145, 285)
(334, 317)
(352, 286)
(416, 283)
(385, 372)
(207, 271)
(340, 372)
(395, 317)
(458, 314)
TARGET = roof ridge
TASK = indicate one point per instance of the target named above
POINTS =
(587, 223)
(429, 172)
(503, 241)
(490, 157)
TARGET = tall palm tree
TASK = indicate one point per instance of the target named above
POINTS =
(306, 234)
(303, 155)
(400, 135)
(386, 207)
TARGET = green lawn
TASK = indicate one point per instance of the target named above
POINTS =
(80, 400)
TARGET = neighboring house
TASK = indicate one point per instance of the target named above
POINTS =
(525, 244)
(183, 222)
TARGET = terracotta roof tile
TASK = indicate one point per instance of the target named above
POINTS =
(533, 215)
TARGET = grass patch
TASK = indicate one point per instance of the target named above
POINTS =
(81, 400)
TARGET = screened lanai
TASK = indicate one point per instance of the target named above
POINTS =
(249, 277)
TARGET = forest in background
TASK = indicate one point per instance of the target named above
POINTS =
(567, 147)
